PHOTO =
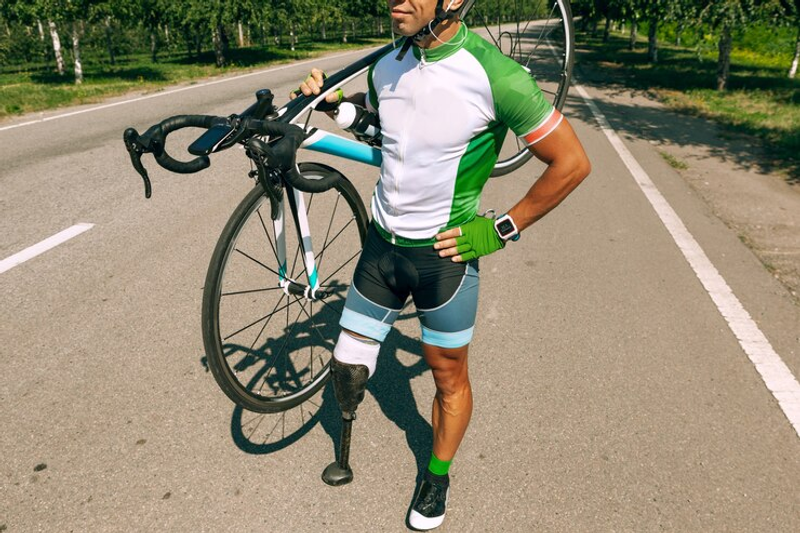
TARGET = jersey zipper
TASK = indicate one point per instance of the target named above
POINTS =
(404, 144)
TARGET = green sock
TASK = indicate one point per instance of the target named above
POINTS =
(437, 466)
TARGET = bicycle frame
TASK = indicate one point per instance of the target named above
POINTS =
(325, 142)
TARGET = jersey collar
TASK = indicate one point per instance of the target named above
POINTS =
(442, 51)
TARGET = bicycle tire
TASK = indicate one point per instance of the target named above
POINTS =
(271, 374)
(546, 47)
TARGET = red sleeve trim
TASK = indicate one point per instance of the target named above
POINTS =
(545, 128)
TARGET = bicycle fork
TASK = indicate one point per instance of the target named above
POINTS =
(312, 290)
(338, 472)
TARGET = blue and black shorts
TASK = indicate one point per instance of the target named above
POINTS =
(445, 293)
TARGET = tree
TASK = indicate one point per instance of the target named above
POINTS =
(724, 16)
(656, 11)
(72, 14)
(787, 12)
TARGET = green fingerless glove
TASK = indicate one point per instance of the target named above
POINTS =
(478, 238)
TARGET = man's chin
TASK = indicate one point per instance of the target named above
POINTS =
(403, 29)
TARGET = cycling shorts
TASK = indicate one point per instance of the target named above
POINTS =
(445, 293)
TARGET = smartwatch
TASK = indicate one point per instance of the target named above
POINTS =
(506, 229)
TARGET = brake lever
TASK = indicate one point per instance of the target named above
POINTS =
(135, 150)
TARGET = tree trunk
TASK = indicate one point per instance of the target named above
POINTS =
(632, 42)
(652, 41)
(153, 46)
(198, 44)
(109, 42)
(292, 39)
(241, 33)
(56, 47)
(607, 30)
(380, 26)
(678, 33)
(323, 30)
(793, 69)
(353, 25)
(724, 59)
(77, 30)
(41, 30)
(344, 31)
(219, 54)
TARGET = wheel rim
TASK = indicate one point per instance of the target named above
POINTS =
(275, 346)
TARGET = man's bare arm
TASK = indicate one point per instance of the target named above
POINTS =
(567, 166)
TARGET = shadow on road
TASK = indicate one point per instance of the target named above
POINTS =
(643, 120)
(259, 434)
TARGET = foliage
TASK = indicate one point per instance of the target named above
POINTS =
(761, 101)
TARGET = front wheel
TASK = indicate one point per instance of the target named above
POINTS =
(269, 350)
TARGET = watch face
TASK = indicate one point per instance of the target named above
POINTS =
(505, 227)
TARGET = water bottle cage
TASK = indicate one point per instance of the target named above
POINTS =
(362, 124)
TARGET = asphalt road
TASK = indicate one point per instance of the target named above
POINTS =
(610, 393)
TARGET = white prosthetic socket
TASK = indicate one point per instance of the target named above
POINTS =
(353, 362)
(355, 351)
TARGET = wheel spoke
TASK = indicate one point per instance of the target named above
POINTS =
(256, 261)
(288, 336)
(266, 317)
(341, 267)
(250, 291)
(322, 252)
(328, 231)
(314, 325)
(266, 233)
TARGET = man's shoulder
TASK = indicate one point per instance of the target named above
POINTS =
(501, 70)
(486, 53)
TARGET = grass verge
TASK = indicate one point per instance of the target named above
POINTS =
(761, 101)
(39, 88)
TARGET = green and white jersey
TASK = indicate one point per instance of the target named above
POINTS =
(444, 114)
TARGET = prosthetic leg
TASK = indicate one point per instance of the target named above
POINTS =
(349, 384)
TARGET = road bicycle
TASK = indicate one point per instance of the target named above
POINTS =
(279, 274)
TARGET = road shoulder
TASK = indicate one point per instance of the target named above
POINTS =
(725, 169)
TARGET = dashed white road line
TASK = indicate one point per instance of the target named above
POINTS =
(173, 91)
(40, 248)
(776, 375)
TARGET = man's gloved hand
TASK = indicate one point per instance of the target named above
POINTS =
(313, 85)
(474, 239)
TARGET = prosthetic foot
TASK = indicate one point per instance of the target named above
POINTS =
(349, 384)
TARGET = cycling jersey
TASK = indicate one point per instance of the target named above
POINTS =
(444, 114)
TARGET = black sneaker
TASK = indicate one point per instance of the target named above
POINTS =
(430, 505)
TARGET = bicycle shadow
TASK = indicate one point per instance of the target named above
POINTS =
(390, 386)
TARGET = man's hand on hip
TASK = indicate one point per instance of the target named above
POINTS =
(474, 239)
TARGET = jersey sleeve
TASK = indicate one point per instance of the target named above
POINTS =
(521, 105)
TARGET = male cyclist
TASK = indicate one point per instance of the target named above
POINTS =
(444, 109)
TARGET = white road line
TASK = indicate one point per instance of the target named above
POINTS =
(40, 248)
(173, 91)
(776, 375)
